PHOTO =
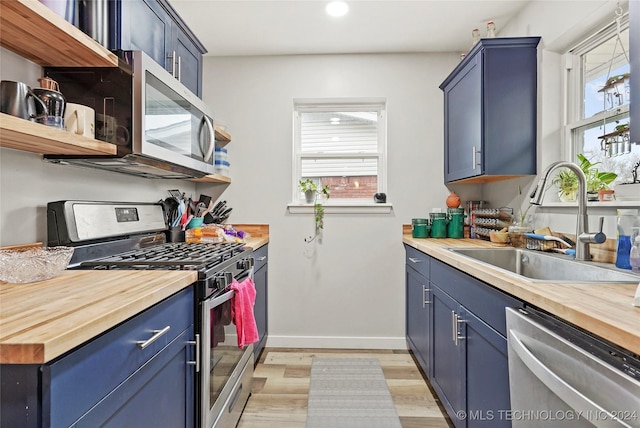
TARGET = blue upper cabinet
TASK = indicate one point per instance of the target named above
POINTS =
(490, 103)
(154, 27)
(634, 40)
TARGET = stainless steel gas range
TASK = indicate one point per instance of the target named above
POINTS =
(114, 235)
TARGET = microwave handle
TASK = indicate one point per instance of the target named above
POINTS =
(207, 149)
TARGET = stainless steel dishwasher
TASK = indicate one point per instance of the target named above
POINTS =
(561, 376)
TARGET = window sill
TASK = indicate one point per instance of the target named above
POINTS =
(342, 208)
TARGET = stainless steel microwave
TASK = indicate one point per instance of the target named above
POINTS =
(160, 128)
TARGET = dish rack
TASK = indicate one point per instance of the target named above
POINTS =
(487, 220)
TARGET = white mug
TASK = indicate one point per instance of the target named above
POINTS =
(108, 130)
(80, 120)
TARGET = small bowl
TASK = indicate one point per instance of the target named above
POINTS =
(33, 264)
(499, 237)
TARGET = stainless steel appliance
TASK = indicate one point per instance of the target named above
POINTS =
(111, 235)
(561, 376)
(161, 129)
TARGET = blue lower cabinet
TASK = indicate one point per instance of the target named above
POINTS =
(449, 363)
(487, 374)
(418, 318)
(160, 394)
(467, 346)
(138, 374)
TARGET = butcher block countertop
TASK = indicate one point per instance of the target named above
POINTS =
(42, 320)
(604, 310)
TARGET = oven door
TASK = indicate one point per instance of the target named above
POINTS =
(223, 363)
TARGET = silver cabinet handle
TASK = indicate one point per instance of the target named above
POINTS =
(474, 162)
(425, 292)
(260, 259)
(454, 329)
(179, 76)
(414, 260)
(458, 336)
(156, 335)
(173, 63)
(196, 343)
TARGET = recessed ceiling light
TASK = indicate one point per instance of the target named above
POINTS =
(337, 8)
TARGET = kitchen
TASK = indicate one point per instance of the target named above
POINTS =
(304, 311)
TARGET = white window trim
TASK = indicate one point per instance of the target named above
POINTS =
(573, 84)
(344, 206)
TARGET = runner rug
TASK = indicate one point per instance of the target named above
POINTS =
(349, 393)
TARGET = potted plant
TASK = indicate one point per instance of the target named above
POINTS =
(567, 182)
(597, 181)
(311, 194)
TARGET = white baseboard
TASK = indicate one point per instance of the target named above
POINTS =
(336, 342)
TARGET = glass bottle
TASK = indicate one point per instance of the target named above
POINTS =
(491, 30)
(475, 34)
(626, 222)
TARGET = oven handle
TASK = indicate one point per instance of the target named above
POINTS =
(156, 335)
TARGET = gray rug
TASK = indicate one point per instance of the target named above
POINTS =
(349, 393)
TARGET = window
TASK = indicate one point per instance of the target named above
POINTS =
(598, 101)
(342, 144)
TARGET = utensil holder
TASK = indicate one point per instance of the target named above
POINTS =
(176, 234)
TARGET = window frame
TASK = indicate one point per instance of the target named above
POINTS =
(352, 205)
(574, 94)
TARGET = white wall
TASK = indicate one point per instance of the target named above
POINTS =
(349, 289)
(27, 183)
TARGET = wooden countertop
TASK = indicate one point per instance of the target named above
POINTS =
(42, 320)
(603, 309)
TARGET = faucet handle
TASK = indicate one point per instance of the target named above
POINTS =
(599, 237)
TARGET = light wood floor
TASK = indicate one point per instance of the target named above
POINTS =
(281, 384)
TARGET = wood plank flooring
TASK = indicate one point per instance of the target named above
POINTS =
(281, 385)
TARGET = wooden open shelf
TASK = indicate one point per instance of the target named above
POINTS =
(213, 178)
(222, 137)
(21, 134)
(33, 31)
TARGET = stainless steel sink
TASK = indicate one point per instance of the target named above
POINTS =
(535, 266)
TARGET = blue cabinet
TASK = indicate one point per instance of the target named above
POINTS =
(418, 308)
(456, 329)
(634, 52)
(261, 280)
(142, 369)
(490, 106)
(154, 27)
(470, 371)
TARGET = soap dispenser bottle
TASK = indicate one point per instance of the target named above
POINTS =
(627, 222)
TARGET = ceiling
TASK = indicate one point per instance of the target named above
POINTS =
(290, 27)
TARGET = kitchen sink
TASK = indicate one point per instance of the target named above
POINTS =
(535, 266)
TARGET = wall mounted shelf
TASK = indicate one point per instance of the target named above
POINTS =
(35, 32)
(20, 134)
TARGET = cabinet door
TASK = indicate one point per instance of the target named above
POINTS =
(160, 394)
(260, 309)
(142, 25)
(449, 378)
(463, 122)
(418, 317)
(488, 400)
(189, 61)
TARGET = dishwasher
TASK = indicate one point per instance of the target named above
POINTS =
(561, 376)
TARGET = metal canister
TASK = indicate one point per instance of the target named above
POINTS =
(455, 222)
(438, 225)
(420, 228)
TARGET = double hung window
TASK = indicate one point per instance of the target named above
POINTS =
(340, 143)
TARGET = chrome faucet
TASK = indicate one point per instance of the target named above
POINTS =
(583, 237)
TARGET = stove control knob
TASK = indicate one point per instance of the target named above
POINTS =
(245, 263)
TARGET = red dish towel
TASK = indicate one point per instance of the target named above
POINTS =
(242, 311)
